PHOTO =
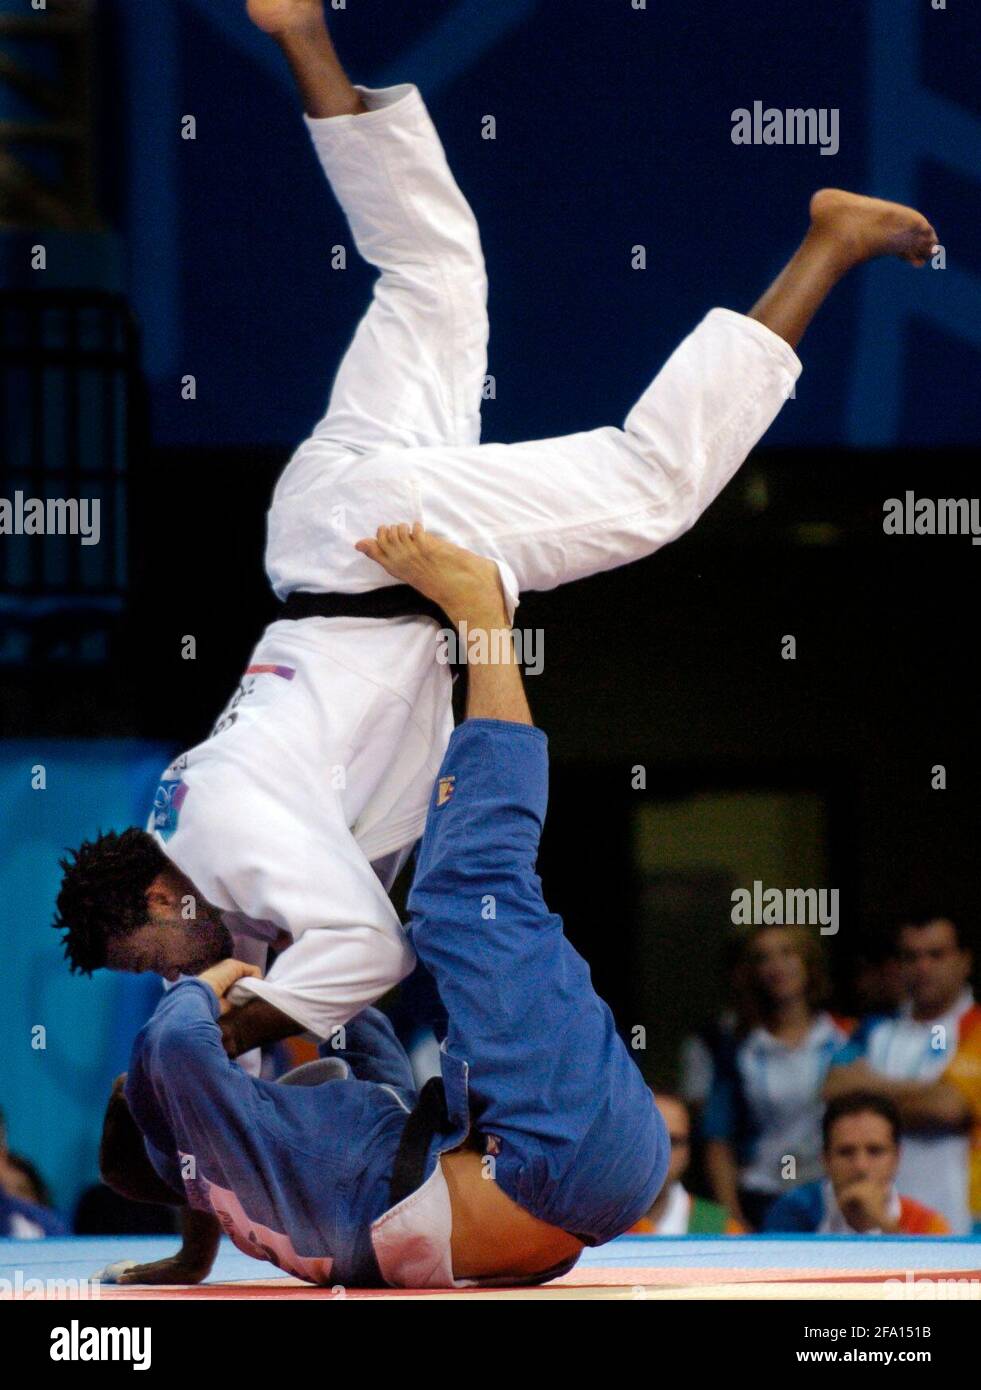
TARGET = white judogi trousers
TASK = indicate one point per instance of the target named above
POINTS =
(323, 764)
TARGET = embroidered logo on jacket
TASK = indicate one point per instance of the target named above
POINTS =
(167, 803)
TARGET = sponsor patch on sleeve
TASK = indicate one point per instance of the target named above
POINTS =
(167, 803)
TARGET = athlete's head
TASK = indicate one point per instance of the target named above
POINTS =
(123, 905)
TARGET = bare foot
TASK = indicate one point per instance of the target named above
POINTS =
(285, 16)
(464, 585)
(864, 228)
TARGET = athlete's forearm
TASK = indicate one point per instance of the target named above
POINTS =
(188, 1029)
(193, 1262)
(123, 1162)
(254, 1024)
(200, 1238)
(495, 687)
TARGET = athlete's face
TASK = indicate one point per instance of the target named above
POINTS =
(181, 936)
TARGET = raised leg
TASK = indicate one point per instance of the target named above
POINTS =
(846, 230)
(555, 510)
(414, 373)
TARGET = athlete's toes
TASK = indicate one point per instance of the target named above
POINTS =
(925, 247)
(369, 547)
(927, 241)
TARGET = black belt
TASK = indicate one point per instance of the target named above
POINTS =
(428, 1119)
(396, 601)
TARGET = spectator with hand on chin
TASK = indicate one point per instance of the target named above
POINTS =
(858, 1197)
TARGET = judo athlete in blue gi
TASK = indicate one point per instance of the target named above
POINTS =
(540, 1137)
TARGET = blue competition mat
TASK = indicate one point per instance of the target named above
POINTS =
(81, 1257)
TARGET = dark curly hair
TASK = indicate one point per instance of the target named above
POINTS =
(103, 894)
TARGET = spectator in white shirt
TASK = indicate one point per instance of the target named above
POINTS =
(917, 1044)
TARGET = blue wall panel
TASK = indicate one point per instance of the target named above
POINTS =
(54, 1096)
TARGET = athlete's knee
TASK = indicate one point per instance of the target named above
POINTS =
(671, 471)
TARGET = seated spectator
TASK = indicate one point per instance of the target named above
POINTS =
(913, 1048)
(954, 1100)
(697, 1052)
(763, 1114)
(22, 1179)
(962, 1080)
(876, 983)
(21, 1217)
(676, 1212)
(858, 1196)
(27, 1221)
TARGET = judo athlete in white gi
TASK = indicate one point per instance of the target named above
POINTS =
(285, 828)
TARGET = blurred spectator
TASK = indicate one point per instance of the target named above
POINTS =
(762, 1120)
(698, 1050)
(22, 1179)
(916, 1045)
(27, 1221)
(862, 1143)
(676, 1212)
(22, 1217)
(876, 982)
(961, 1085)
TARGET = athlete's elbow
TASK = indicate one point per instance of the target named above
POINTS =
(396, 960)
(173, 1046)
